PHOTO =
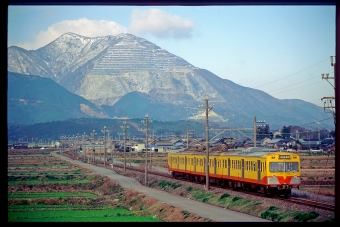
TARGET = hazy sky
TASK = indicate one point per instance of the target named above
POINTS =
(281, 50)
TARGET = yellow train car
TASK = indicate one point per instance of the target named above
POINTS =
(258, 169)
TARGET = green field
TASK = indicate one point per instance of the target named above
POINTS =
(70, 215)
(39, 195)
(33, 198)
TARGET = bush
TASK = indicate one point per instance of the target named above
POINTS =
(306, 217)
(225, 195)
(236, 198)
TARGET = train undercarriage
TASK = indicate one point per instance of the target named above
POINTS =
(274, 190)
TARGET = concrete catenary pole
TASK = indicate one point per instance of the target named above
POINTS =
(124, 127)
(207, 109)
(104, 131)
(93, 149)
(187, 137)
(255, 131)
(337, 103)
(84, 146)
(147, 122)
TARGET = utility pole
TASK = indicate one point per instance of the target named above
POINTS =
(337, 100)
(207, 109)
(147, 122)
(84, 142)
(329, 107)
(256, 125)
(104, 131)
(124, 127)
(93, 149)
(110, 143)
(255, 131)
(187, 137)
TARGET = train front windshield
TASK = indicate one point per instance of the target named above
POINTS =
(284, 167)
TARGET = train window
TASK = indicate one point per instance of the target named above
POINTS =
(254, 166)
(224, 163)
(276, 166)
(291, 167)
(284, 167)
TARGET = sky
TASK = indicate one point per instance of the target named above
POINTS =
(282, 50)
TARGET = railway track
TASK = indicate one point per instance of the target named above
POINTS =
(295, 200)
(312, 203)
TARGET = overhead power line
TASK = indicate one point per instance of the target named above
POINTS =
(293, 73)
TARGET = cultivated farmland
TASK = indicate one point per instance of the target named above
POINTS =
(43, 188)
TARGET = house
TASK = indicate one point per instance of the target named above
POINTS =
(238, 143)
(177, 143)
(20, 145)
(288, 142)
(164, 146)
(274, 143)
(310, 145)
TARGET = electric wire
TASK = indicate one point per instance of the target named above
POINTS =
(293, 73)
(292, 84)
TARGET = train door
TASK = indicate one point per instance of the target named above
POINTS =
(195, 164)
(185, 163)
(228, 167)
(259, 170)
(205, 163)
(215, 164)
(171, 162)
(242, 168)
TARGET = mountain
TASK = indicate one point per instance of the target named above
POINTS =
(128, 76)
(35, 99)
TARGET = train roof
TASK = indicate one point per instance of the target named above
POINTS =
(249, 152)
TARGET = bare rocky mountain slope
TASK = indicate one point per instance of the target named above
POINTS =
(105, 69)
